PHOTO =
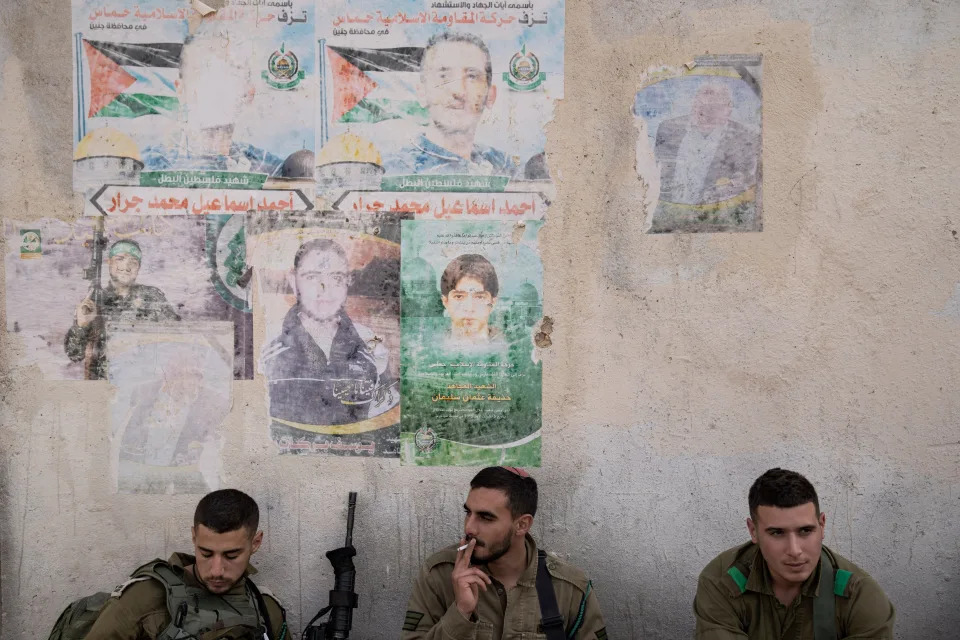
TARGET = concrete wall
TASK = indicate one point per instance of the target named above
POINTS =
(682, 366)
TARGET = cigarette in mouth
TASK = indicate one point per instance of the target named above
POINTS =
(463, 547)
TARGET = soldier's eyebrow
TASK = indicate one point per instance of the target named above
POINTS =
(205, 550)
(484, 514)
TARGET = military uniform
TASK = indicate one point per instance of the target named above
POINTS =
(143, 303)
(726, 610)
(432, 612)
(140, 611)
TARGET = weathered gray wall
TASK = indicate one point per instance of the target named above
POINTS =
(682, 366)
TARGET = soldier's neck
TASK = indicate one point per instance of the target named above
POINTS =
(787, 593)
(508, 568)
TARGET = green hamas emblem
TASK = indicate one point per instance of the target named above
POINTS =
(283, 69)
(525, 73)
(30, 244)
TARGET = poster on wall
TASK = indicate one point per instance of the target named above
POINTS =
(331, 308)
(67, 281)
(173, 382)
(700, 144)
(471, 296)
(438, 98)
(168, 98)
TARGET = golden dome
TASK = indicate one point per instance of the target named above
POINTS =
(348, 147)
(106, 142)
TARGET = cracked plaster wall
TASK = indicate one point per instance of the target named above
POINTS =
(681, 366)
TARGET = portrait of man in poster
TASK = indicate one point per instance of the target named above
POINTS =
(323, 368)
(456, 88)
(705, 156)
(468, 290)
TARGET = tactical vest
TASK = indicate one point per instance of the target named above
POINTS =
(833, 584)
(194, 611)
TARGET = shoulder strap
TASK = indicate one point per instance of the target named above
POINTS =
(550, 618)
(265, 613)
(825, 604)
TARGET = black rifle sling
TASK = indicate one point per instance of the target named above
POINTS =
(264, 614)
(550, 618)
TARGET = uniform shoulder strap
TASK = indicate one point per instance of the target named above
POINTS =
(550, 618)
(825, 604)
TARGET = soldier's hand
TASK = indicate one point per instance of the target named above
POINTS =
(86, 312)
(467, 580)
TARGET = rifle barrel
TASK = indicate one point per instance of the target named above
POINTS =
(351, 507)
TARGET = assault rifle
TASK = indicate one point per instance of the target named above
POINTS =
(343, 599)
(94, 273)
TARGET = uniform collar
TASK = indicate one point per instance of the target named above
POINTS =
(180, 561)
(761, 581)
(529, 576)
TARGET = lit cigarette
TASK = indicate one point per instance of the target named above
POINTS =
(463, 547)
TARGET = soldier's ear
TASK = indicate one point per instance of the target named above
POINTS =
(257, 541)
(523, 524)
(752, 528)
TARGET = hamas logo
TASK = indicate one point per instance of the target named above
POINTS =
(425, 439)
(30, 245)
(283, 69)
(525, 73)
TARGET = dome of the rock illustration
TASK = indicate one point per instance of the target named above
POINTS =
(350, 162)
(106, 156)
(107, 142)
(348, 147)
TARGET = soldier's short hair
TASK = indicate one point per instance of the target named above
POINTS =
(470, 265)
(227, 510)
(456, 36)
(319, 245)
(520, 487)
(782, 489)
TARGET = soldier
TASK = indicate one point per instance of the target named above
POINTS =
(123, 301)
(495, 584)
(785, 583)
(216, 600)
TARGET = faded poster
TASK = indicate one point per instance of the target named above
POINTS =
(66, 281)
(165, 97)
(331, 307)
(436, 97)
(700, 141)
(173, 383)
(472, 295)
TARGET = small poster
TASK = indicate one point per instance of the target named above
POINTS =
(437, 97)
(700, 144)
(66, 281)
(472, 294)
(331, 306)
(174, 382)
(168, 97)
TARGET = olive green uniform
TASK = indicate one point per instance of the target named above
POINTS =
(432, 613)
(725, 612)
(140, 611)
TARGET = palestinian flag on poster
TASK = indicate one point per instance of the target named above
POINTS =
(372, 85)
(129, 80)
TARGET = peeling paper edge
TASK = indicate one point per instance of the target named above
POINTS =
(201, 8)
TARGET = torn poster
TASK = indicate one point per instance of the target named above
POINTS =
(449, 92)
(167, 98)
(174, 382)
(331, 307)
(700, 144)
(66, 281)
(471, 297)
